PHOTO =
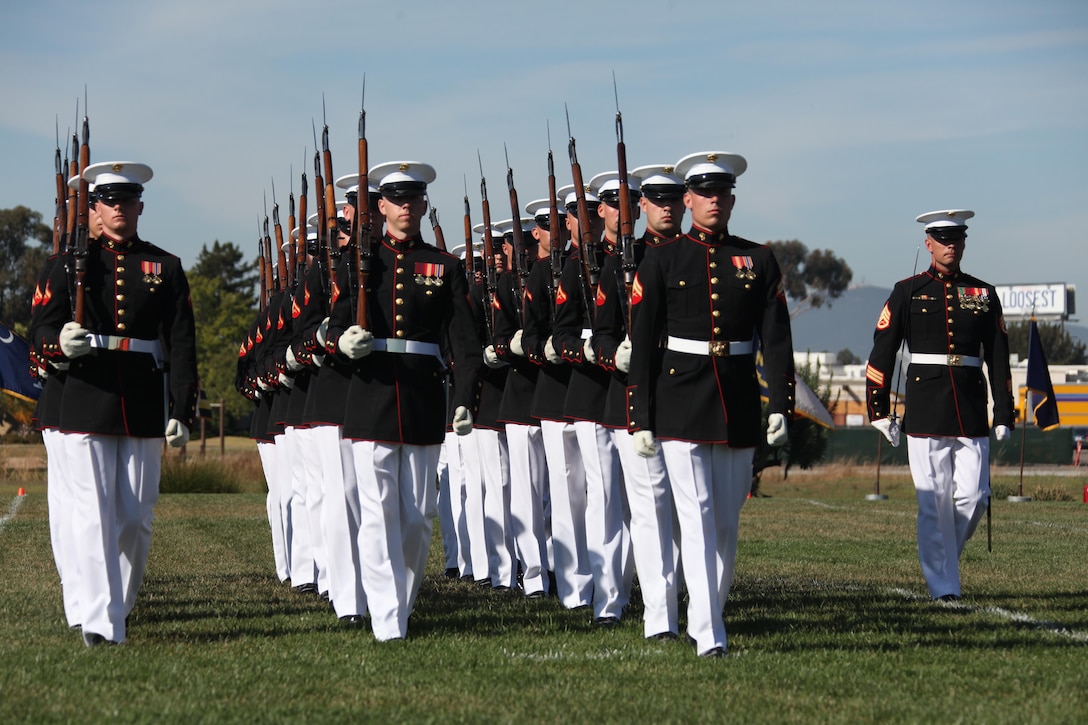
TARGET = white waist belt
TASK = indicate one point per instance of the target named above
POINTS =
(586, 333)
(411, 347)
(956, 361)
(128, 344)
(714, 348)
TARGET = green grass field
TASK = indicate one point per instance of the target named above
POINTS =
(828, 622)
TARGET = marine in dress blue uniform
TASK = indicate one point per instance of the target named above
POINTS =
(645, 481)
(704, 301)
(131, 381)
(417, 299)
(952, 324)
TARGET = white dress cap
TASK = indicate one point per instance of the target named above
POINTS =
(711, 169)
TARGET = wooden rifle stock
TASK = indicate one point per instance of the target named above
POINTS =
(270, 275)
(303, 228)
(489, 259)
(521, 270)
(292, 257)
(82, 222)
(627, 223)
(587, 247)
(332, 225)
(470, 258)
(262, 295)
(439, 235)
(60, 214)
(281, 257)
(555, 234)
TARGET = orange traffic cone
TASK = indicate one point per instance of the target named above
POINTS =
(22, 491)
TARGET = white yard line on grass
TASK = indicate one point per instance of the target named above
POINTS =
(15, 504)
(1052, 627)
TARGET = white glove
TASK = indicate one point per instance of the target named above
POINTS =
(623, 356)
(265, 387)
(318, 360)
(645, 445)
(1002, 432)
(550, 353)
(889, 428)
(177, 434)
(462, 421)
(588, 353)
(292, 363)
(74, 340)
(491, 358)
(286, 381)
(516, 346)
(61, 366)
(322, 331)
(776, 430)
(356, 342)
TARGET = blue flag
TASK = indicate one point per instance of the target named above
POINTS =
(1040, 391)
(15, 366)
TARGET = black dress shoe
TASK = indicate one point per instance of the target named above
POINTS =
(352, 620)
(715, 653)
(536, 595)
(663, 637)
(483, 583)
(307, 588)
(948, 598)
(452, 573)
(606, 622)
(90, 639)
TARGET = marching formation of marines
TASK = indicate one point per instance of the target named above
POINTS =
(516, 387)
(577, 406)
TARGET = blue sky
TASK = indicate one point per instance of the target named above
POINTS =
(855, 116)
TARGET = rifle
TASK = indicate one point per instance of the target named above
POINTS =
(283, 272)
(364, 253)
(439, 236)
(332, 226)
(555, 234)
(319, 189)
(303, 227)
(521, 265)
(292, 257)
(489, 256)
(79, 254)
(272, 276)
(587, 246)
(73, 190)
(262, 292)
(60, 216)
(627, 224)
(470, 258)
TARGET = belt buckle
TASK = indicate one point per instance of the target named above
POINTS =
(719, 348)
(955, 361)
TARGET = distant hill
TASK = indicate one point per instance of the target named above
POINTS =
(849, 322)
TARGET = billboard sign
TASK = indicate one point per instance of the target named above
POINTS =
(1022, 300)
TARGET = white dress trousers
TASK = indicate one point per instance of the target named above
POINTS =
(653, 541)
(339, 519)
(528, 484)
(952, 483)
(710, 483)
(567, 501)
(293, 498)
(605, 520)
(277, 518)
(114, 485)
(397, 502)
